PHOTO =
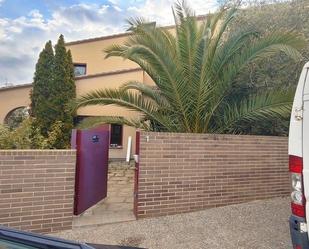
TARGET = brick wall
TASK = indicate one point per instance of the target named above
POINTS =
(36, 189)
(187, 172)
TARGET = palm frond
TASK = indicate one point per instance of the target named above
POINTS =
(92, 122)
(138, 22)
(261, 48)
(161, 60)
(194, 72)
(130, 100)
(218, 30)
(231, 47)
(288, 42)
(256, 108)
(151, 92)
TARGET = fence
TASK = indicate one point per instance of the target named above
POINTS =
(36, 189)
(177, 173)
(186, 172)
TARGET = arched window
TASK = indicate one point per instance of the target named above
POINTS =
(16, 116)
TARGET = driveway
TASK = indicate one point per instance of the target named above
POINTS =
(254, 225)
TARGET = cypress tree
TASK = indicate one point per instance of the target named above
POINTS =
(53, 89)
(71, 77)
(63, 91)
(42, 84)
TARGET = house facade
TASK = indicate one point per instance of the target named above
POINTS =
(92, 72)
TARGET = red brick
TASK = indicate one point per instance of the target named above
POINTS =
(37, 189)
(187, 172)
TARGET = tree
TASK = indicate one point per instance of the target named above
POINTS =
(62, 92)
(42, 84)
(71, 92)
(277, 71)
(195, 74)
(53, 89)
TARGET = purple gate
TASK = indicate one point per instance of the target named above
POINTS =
(91, 167)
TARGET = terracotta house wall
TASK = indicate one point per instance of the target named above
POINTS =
(12, 98)
(101, 73)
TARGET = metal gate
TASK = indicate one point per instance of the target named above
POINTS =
(91, 167)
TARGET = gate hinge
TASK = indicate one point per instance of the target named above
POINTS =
(136, 158)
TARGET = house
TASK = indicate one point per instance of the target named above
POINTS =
(92, 72)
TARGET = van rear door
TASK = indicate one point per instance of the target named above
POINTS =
(305, 139)
(299, 162)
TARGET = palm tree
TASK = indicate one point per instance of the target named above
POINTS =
(195, 75)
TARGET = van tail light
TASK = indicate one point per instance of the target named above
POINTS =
(298, 199)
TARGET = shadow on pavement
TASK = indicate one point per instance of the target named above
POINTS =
(113, 247)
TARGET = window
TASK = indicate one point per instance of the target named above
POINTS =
(80, 69)
(79, 118)
(116, 131)
(116, 135)
(15, 117)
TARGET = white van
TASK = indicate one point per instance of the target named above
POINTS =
(299, 162)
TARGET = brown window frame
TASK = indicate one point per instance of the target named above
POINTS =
(119, 146)
(82, 65)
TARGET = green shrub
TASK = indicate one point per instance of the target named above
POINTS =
(5, 141)
(28, 136)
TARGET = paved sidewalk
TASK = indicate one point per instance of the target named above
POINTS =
(255, 225)
(117, 206)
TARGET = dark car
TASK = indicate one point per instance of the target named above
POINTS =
(15, 239)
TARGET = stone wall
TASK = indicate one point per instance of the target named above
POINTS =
(186, 172)
(37, 189)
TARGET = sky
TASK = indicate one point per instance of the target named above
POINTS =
(25, 26)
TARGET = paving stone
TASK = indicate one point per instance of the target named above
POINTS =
(115, 199)
(120, 174)
(122, 182)
(118, 205)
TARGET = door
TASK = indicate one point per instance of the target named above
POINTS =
(305, 138)
(91, 167)
(299, 134)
